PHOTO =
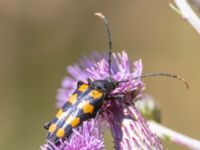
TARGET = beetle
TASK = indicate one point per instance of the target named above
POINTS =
(87, 99)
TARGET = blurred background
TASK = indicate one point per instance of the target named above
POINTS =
(38, 39)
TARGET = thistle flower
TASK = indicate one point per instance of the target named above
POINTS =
(129, 129)
(88, 137)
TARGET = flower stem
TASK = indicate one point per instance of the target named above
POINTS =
(178, 138)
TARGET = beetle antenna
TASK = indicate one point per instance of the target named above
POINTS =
(159, 74)
(109, 39)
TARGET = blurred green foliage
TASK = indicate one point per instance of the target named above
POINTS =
(38, 39)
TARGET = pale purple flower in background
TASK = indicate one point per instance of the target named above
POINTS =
(129, 129)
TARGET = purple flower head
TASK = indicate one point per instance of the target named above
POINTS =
(129, 129)
(87, 137)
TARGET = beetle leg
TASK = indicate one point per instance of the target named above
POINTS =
(79, 83)
(98, 113)
(97, 116)
(47, 125)
(119, 96)
(116, 96)
(89, 80)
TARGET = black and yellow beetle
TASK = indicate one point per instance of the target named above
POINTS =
(82, 105)
(87, 99)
